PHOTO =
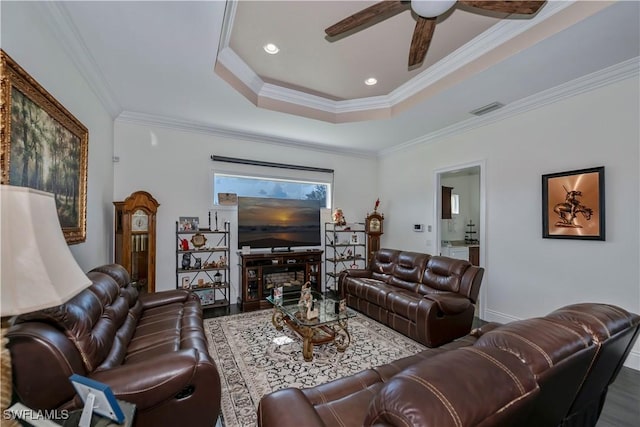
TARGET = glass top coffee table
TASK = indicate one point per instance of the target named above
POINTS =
(330, 325)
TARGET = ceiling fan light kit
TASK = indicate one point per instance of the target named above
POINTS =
(431, 8)
(426, 11)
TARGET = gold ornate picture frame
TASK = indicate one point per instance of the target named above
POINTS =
(573, 205)
(43, 146)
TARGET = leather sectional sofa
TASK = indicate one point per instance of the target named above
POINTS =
(542, 372)
(149, 348)
(430, 299)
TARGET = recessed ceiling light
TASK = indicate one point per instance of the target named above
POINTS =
(371, 81)
(271, 48)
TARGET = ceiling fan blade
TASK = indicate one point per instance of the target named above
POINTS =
(422, 35)
(387, 8)
(519, 7)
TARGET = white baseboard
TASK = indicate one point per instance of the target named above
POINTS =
(633, 360)
(498, 317)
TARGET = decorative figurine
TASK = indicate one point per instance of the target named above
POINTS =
(305, 292)
(198, 264)
(217, 278)
(184, 244)
(222, 262)
(312, 310)
(338, 217)
(186, 261)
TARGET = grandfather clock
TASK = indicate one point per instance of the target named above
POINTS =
(135, 238)
(373, 228)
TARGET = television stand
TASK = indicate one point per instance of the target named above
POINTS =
(282, 249)
(260, 273)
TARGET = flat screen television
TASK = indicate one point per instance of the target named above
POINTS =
(278, 223)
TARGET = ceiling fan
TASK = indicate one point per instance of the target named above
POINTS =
(425, 13)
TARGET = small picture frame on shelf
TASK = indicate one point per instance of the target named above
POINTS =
(188, 223)
(206, 297)
(355, 239)
(186, 282)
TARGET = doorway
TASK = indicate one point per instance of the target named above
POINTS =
(464, 229)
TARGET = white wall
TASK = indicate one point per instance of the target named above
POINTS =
(175, 167)
(526, 275)
(28, 39)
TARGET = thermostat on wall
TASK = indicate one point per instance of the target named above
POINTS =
(418, 227)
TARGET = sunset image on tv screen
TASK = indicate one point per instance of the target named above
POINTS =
(271, 223)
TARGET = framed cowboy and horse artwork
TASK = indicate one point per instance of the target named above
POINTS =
(573, 205)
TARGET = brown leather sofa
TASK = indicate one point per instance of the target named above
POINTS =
(542, 372)
(149, 348)
(430, 299)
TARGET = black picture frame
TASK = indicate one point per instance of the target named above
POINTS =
(573, 205)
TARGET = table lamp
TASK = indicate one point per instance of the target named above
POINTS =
(37, 269)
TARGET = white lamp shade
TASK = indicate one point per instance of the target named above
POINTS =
(431, 8)
(37, 268)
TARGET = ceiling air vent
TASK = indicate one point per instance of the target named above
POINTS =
(487, 108)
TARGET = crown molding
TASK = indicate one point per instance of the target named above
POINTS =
(195, 127)
(607, 76)
(622, 71)
(479, 46)
(231, 61)
(485, 42)
(67, 35)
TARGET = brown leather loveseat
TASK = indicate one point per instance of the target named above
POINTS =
(430, 299)
(149, 348)
(552, 371)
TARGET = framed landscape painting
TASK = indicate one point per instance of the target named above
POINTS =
(43, 146)
(573, 205)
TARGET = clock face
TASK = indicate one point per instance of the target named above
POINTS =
(139, 221)
(374, 225)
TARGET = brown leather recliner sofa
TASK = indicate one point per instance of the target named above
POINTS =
(552, 371)
(149, 348)
(430, 299)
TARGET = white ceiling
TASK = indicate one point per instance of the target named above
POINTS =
(154, 61)
(338, 69)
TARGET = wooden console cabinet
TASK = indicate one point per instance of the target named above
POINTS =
(261, 272)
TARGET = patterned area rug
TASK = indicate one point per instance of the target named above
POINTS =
(254, 359)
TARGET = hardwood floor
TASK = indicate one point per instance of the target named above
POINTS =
(621, 409)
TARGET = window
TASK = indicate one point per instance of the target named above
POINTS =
(455, 204)
(254, 186)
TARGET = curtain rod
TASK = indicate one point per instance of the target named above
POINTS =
(268, 164)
